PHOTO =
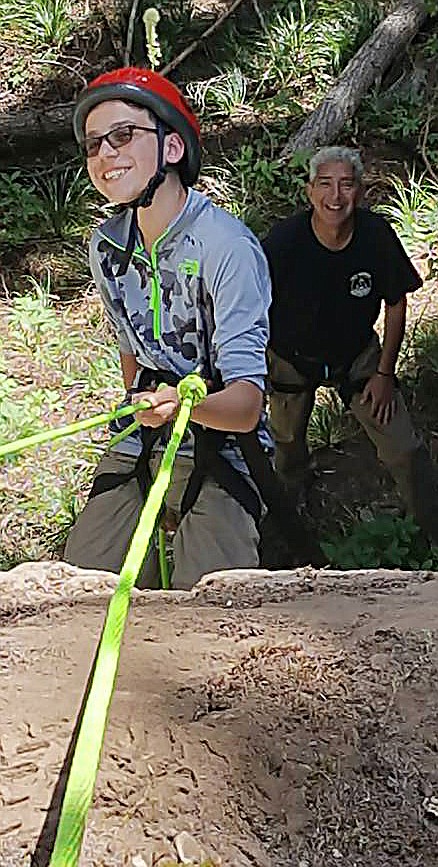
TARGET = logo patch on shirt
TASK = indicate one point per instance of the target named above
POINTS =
(361, 284)
(189, 267)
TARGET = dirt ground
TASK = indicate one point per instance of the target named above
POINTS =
(283, 719)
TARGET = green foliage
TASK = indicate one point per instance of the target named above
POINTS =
(261, 179)
(383, 542)
(53, 366)
(424, 344)
(430, 48)
(178, 26)
(17, 72)
(38, 22)
(257, 186)
(296, 52)
(22, 211)
(280, 51)
(40, 508)
(316, 38)
(394, 118)
(98, 373)
(292, 56)
(22, 416)
(37, 330)
(31, 319)
(413, 211)
(67, 196)
(58, 203)
(223, 94)
(419, 355)
(337, 32)
(329, 424)
(430, 144)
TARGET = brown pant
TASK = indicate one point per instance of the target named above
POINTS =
(397, 444)
(217, 533)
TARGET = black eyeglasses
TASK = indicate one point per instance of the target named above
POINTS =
(117, 138)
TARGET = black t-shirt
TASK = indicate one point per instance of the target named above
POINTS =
(326, 302)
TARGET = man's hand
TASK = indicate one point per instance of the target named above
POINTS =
(380, 391)
(165, 406)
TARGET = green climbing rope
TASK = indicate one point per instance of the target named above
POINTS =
(117, 438)
(80, 785)
(66, 430)
(162, 556)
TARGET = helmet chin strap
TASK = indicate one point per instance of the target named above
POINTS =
(144, 200)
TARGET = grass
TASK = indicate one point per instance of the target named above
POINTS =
(56, 365)
(420, 349)
(57, 202)
(36, 22)
(291, 54)
(225, 93)
(412, 209)
(329, 423)
(311, 41)
(396, 119)
(283, 69)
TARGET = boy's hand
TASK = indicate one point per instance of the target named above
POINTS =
(165, 406)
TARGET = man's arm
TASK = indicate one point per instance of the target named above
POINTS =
(394, 331)
(380, 387)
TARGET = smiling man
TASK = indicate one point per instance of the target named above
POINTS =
(186, 288)
(332, 267)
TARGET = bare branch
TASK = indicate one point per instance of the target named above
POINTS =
(194, 45)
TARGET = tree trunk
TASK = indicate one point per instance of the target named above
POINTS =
(33, 131)
(369, 63)
(115, 13)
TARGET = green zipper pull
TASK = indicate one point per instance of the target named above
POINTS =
(155, 304)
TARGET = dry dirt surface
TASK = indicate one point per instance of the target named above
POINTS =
(283, 719)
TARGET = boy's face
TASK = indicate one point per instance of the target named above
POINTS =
(334, 193)
(121, 171)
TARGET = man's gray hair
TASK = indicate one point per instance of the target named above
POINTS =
(337, 154)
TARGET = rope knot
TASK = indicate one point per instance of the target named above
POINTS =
(192, 386)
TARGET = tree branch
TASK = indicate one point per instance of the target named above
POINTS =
(194, 45)
(369, 63)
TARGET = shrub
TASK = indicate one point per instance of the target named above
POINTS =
(384, 542)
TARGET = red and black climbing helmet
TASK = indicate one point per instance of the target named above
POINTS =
(147, 89)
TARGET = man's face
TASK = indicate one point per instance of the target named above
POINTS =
(334, 193)
(121, 173)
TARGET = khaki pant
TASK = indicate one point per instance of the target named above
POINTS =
(217, 533)
(397, 444)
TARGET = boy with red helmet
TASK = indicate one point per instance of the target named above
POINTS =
(186, 287)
